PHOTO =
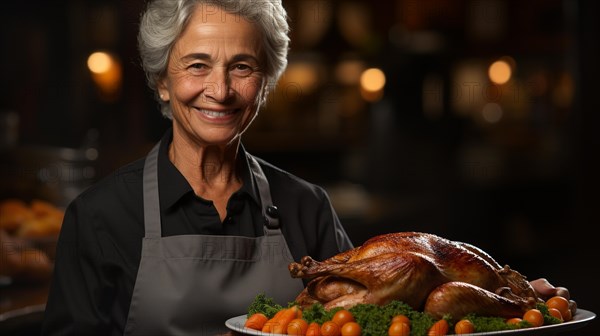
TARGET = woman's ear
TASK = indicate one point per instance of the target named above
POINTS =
(163, 91)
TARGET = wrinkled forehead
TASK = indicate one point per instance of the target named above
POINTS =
(211, 13)
(210, 21)
(212, 27)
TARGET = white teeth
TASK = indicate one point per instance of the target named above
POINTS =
(217, 113)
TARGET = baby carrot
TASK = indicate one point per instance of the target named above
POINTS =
(256, 321)
(268, 326)
(439, 328)
(286, 317)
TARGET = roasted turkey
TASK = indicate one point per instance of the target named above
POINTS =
(427, 272)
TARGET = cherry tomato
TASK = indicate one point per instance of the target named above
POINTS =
(401, 318)
(314, 329)
(351, 329)
(297, 326)
(556, 313)
(560, 303)
(514, 320)
(534, 317)
(439, 328)
(330, 328)
(464, 327)
(568, 315)
(399, 329)
(342, 317)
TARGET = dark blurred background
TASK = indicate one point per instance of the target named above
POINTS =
(472, 119)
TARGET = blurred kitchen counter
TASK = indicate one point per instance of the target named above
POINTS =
(22, 307)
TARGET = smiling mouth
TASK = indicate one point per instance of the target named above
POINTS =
(217, 114)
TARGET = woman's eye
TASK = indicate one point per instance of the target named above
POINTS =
(242, 70)
(198, 67)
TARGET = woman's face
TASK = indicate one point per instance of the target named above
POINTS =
(214, 77)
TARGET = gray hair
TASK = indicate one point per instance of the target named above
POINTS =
(164, 20)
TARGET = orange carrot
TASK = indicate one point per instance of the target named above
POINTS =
(288, 315)
(268, 326)
(439, 328)
(256, 321)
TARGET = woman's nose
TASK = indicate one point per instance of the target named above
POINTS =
(216, 86)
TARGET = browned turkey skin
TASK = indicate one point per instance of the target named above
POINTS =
(427, 272)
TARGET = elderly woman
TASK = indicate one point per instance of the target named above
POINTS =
(177, 242)
(180, 241)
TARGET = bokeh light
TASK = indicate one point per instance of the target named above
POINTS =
(500, 72)
(372, 82)
(492, 113)
(100, 62)
(107, 74)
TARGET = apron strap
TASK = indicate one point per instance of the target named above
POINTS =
(151, 198)
(269, 211)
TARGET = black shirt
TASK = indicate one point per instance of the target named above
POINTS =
(100, 244)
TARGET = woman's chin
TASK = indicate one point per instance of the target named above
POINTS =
(220, 139)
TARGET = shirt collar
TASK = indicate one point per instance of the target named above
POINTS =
(173, 185)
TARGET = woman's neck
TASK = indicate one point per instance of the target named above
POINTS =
(210, 170)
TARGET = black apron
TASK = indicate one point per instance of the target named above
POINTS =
(191, 284)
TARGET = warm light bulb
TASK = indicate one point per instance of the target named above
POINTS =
(372, 80)
(500, 72)
(106, 72)
(100, 62)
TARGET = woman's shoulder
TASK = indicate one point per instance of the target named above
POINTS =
(124, 183)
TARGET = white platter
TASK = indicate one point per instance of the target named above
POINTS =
(581, 318)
